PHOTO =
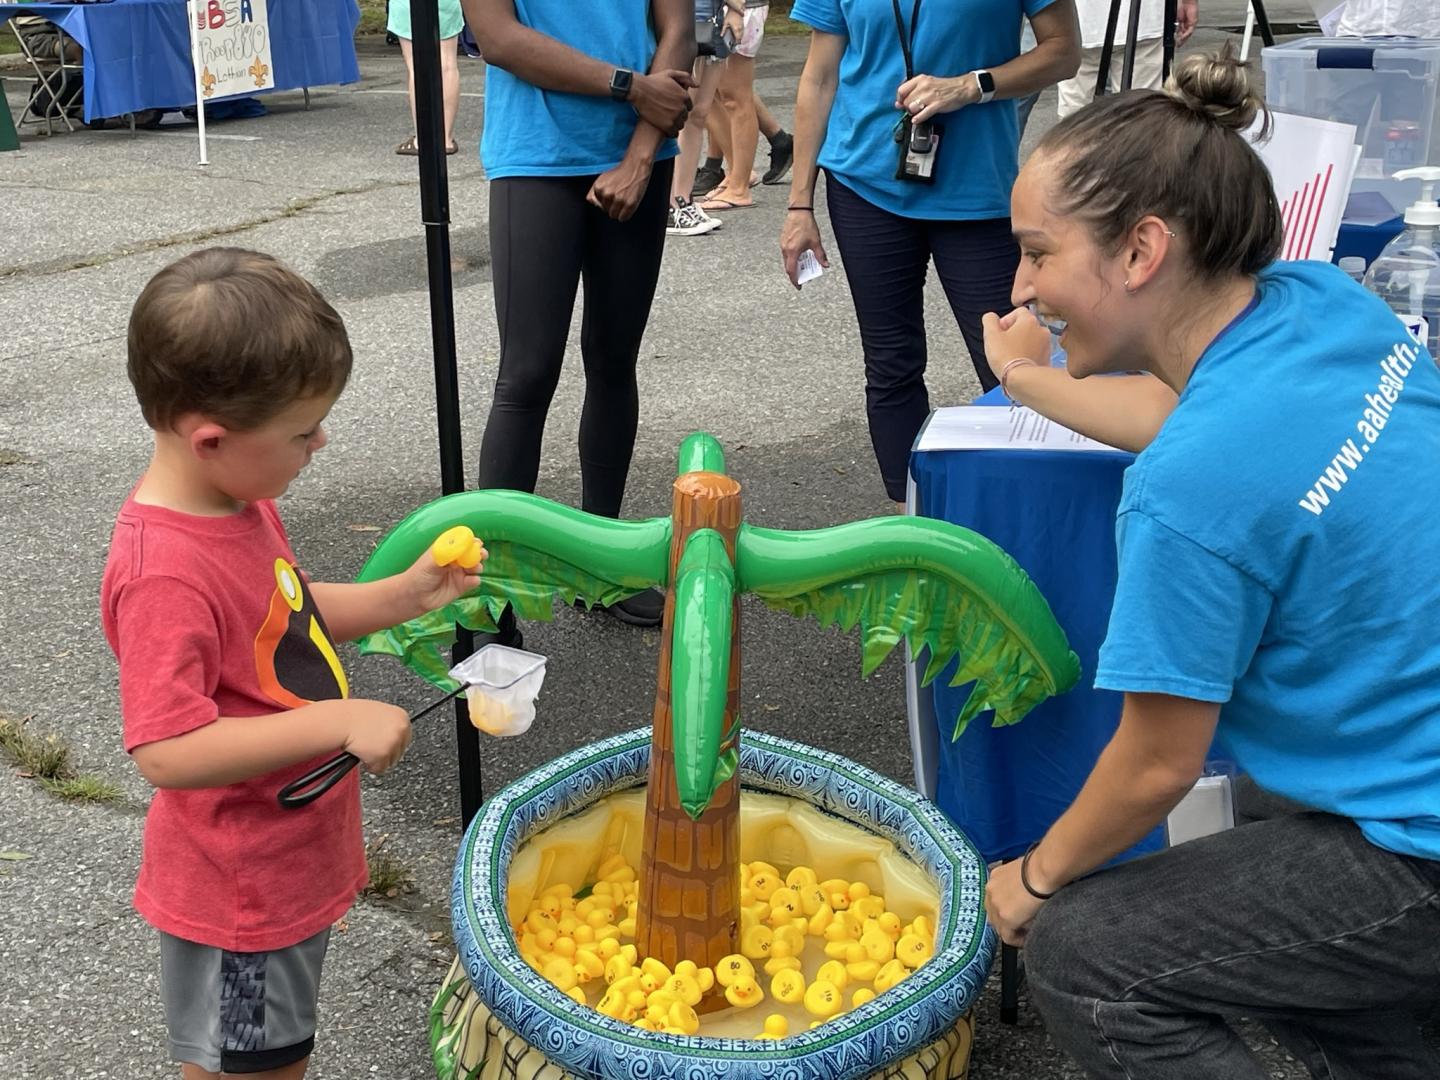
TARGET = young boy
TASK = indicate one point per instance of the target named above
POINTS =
(230, 686)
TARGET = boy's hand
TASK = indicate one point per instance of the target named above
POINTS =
(441, 574)
(376, 732)
(432, 586)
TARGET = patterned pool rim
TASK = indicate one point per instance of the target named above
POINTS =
(892, 1026)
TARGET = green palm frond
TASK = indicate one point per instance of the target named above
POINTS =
(936, 586)
(538, 550)
(700, 669)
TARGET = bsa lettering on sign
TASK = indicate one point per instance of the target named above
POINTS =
(233, 50)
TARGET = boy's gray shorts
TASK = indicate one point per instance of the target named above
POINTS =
(240, 1012)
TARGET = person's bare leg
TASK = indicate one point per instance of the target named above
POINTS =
(405, 51)
(718, 126)
(189, 1071)
(769, 126)
(450, 84)
(736, 97)
(692, 137)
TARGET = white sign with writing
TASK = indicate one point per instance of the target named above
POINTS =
(232, 47)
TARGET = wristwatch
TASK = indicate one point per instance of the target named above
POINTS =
(620, 81)
(986, 82)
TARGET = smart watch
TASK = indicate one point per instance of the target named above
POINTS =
(986, 82)
(620, 81)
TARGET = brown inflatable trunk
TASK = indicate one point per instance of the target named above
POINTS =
(690, 869)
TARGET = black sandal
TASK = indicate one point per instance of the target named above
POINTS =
(408, 148)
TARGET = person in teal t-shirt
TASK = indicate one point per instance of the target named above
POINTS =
(954, 65)
(451, 23)
(1278, 594)
(583, 99)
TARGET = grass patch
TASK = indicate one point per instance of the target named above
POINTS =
(389, 877)
(779, 21)
(84, 788)
(45, 759)
(372, 17)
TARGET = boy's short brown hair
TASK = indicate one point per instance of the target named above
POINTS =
(235, 335)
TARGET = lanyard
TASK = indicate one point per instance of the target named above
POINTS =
(907, 41)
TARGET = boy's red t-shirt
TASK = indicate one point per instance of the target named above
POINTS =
(210, 617)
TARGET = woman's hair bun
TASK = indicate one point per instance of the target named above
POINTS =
(1217, 85)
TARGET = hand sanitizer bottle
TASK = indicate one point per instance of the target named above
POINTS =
(1406, 275)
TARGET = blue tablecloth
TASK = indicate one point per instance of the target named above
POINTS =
(137, 52)
(1054, 512)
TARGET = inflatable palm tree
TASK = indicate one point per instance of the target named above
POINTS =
(937, 586)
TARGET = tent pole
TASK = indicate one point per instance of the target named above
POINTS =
(435, 213)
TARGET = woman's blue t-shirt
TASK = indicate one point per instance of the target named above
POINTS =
(1279, 553)
(535, 132)
(979, 150)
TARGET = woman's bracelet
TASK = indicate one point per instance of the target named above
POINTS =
(1005, 373)
(804, 209)
(1025, 864)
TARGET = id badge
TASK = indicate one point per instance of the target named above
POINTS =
(919, 150)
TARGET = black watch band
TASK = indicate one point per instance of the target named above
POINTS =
(621, 80)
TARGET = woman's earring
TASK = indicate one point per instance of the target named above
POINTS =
(1127, 287)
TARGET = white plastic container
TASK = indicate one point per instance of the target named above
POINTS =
(1406, 274)
(501, 686)
(1386, 87)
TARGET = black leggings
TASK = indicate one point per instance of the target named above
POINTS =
(886, 259)
(544, 238)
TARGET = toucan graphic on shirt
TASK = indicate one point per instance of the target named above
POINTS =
(295, 662)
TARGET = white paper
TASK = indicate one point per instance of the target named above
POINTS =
(232, 48)
(1208, 808)
(807, 267)
(1312, 164)
(999, 427)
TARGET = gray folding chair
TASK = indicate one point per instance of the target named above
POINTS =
(57, 79)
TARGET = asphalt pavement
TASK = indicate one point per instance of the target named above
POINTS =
(732, 349)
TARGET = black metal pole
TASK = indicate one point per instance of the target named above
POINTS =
(1132, 31)
(435, 213)
(1262, 22)
(1112, 22)
(1172, 12)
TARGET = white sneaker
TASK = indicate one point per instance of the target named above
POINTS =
(689, 220)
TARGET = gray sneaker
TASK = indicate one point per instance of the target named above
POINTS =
(688, 219)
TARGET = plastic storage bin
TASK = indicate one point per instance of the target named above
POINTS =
(1385, 87)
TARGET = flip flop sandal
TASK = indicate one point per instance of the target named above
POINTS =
(453, 148)
(724, 204)
(408, 148)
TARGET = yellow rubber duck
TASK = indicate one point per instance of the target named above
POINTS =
(732, 968)
(776, 1027)
(823, 999)
(744, 992)
(458, 545)
(788, 987)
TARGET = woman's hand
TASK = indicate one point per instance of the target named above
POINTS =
(1017, 335)
(662, 99)
(925, 96)
(735, 22)
(1187, 16)
(619, 191)
(1008, 907)
(800, 233)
